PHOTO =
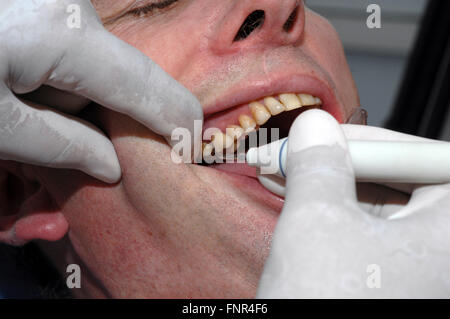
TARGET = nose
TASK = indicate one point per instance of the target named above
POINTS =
(260, 23)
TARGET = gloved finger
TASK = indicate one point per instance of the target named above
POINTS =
(379, 200)
(423, 199)
(319, 168)
(118, 76)
(34, 135)
(320, 187)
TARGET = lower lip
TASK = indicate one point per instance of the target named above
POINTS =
(245, 179)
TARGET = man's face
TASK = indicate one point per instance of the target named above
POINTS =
(186, 230)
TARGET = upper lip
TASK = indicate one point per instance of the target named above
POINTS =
(255, 89)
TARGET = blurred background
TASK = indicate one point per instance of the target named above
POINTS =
(377, 57)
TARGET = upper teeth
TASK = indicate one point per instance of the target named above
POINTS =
(261, 112)
(247, 123)
(275, 107)
(291, 101)
(235, 131)
(222, 141)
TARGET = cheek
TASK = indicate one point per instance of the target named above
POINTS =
(325, 46)
(173, 43)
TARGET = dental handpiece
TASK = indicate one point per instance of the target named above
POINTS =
(373, 161)
(412, 162)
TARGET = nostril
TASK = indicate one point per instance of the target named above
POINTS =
(289, 24)
(253, 22)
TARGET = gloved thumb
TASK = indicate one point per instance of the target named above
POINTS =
(319, 168)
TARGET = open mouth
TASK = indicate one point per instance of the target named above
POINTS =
(228, 133)
(233, 119)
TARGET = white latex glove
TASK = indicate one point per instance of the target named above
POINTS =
(38, 47)
(327, 245)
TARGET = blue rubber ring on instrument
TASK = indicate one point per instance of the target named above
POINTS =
(279, 158)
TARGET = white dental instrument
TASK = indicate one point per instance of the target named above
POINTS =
(420, 162)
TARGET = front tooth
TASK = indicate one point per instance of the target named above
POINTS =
(222, 141)
(307, 99)
(290, 101)
(318, 101)
(274, 106)
(259, 112)
(235, 131)
(247, 123)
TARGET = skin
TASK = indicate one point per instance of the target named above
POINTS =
(179, 231)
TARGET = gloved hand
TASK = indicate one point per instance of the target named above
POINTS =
(327, 245)
(41, 45)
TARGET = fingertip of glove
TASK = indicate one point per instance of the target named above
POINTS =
(112, 175)
(317, 151)
(315, 128)
(105, 168)
(105, 172)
